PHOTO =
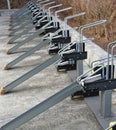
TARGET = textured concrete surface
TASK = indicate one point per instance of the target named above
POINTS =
(67, 115)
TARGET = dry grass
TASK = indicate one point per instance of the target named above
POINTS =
(95, 10)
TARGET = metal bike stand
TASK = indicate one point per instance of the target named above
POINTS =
(59, 11)
(22, 15)
(19, 18)
(42, 2)
(59, 41)
(81, 28)
(83, 83)
(49, 12)
(79, 46)
(22, 26)
(37, 9)
(40, 108)
(63, 38)
(37, 47)
(29, 52)
(26, 31)
(102, 105)
(21, 11)
(32, 72)
(22, 23)
(35, 34)
(30, 13)
(50, 3)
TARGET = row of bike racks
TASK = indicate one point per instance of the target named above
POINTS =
(67, 56)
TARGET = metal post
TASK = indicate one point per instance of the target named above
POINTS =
(43, 2)
(50, 3)
(58, 11)
(8, 4)
(42, 107)
(70, 17)
(31, 51)
(26, 30)
(26, 54)
(79, 46)
(106, 96)
(31, 37)
(29, 74)
(79, 63)
(52, 7)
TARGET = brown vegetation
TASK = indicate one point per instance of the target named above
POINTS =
(14, 3)
(95, 10)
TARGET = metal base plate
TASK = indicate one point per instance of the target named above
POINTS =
(94, 105)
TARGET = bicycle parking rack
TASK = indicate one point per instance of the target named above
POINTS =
(42, 43)
(18, 33)
(22, 12)
(32, 72)
(52, 27)
(68, 60)
(71, 56)
(30, 27)
(102, 79)
(38, 11)
(45, 29)
(105, 98)
(80, 48)
(18, 18)
(37, 47)
(32, 11)
(55, 38)
(40, 16)
(40, 67)
(60, 41)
